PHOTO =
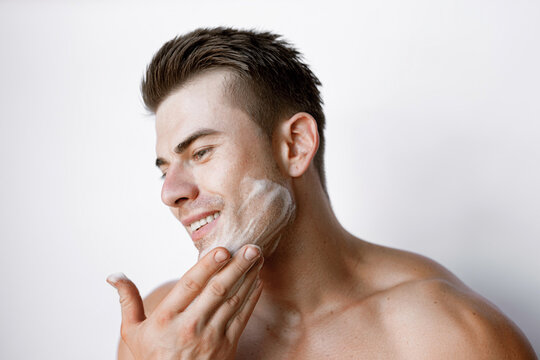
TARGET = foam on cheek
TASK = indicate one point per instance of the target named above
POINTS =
(265, 210)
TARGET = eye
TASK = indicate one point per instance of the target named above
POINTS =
(162, 177)
(201, 154)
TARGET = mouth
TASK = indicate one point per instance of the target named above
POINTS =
(201, 227)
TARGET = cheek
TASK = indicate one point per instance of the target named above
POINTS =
(220, 176)
(229, 166)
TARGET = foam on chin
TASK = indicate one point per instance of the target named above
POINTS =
(267, 208)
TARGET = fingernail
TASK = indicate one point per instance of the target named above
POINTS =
(113, 279)
(220, 256)
(251, 253)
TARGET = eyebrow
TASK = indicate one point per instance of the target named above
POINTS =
(184, 144)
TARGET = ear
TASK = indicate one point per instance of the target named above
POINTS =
(298, 141)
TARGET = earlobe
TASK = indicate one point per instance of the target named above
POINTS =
(299, 142)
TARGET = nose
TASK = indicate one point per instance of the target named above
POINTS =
(178, 187)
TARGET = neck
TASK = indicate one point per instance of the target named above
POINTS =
(312, 265)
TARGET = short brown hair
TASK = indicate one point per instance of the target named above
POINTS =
(270, 80)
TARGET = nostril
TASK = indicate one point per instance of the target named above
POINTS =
(180, 200)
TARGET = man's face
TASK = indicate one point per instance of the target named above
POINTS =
(221, 179)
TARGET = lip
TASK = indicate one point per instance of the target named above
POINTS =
(190, 220)
(202, 231)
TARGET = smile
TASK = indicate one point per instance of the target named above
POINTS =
(202, 222)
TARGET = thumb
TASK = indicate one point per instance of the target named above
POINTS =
(130, 300)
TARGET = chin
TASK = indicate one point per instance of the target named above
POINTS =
(268, 246)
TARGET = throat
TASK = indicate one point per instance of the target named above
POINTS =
(299, 278)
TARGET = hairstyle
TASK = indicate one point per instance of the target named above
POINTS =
(270, 81)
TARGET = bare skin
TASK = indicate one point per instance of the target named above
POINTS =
(325, 294)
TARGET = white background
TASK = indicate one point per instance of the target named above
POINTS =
(433, 112)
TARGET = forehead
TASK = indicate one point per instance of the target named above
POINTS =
(200, 103)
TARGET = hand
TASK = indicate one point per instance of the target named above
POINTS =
(204, 314)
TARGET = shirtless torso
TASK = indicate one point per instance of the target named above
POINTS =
(411, 308)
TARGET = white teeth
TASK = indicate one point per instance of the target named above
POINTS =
(198, 224)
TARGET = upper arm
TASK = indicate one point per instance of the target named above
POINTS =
(150, 303)
(498, 336)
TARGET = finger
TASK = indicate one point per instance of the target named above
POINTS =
(219, 288)
(239, 322)
(192, 283)
(237, 299)
(130, 300)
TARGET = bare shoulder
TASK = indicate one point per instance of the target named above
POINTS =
(430, 313)
(151, 301)
(437, 317)
(396, 267)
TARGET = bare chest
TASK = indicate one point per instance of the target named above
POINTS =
(350, 335)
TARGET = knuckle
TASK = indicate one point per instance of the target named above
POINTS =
(123, 301)
(191, 285)
(208, 266)
(239, 267)
(189, 329)
(210, 334)
(163, 319)
(234, 301)
(217, 289)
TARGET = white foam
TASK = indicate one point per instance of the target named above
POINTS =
(116, 277)
(267, 209)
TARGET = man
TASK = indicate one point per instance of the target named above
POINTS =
(240, 143)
